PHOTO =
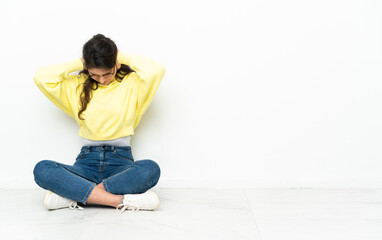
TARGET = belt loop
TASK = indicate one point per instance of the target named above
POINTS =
(113, 148)
(88, 148)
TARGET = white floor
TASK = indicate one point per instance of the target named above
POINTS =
(266, 214)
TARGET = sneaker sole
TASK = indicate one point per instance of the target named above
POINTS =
(157, 198)
(47, 195)
(158, 202)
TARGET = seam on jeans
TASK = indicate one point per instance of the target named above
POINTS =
(81, 155)
(119, 173)
(88, 193)
(105, 185)
(81, 177)
(74, 172)
(122, 157)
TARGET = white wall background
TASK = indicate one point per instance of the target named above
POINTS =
(256, 93)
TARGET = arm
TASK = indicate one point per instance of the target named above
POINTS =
(150, 73)
(56, 84)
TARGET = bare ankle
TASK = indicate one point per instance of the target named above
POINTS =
(118, 201)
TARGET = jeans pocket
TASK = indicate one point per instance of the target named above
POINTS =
(81, 155)
(124, 155)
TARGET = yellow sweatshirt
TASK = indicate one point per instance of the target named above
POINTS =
(115, 109)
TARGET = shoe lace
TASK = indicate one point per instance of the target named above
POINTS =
(73, 205)
(127, 205)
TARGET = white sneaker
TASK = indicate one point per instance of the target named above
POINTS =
(143, 201)
(54, 201)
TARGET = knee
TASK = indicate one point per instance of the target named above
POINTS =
(41, 170)
(151, 172)
(153, 168)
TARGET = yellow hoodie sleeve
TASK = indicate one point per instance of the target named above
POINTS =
(150, 72)
(55, 83)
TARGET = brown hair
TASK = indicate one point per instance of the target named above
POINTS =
(99, 52)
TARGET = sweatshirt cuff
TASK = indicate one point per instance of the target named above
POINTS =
(123, 58)
(74, 66)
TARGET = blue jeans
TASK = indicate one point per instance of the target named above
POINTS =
(113, 166)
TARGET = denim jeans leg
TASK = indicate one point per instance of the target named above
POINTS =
(63, 180)
(138, 178)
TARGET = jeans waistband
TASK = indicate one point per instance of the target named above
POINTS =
(105, 148)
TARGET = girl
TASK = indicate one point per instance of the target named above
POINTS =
(106, 92)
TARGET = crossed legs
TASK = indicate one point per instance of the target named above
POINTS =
(69, 181)
(100, 196)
